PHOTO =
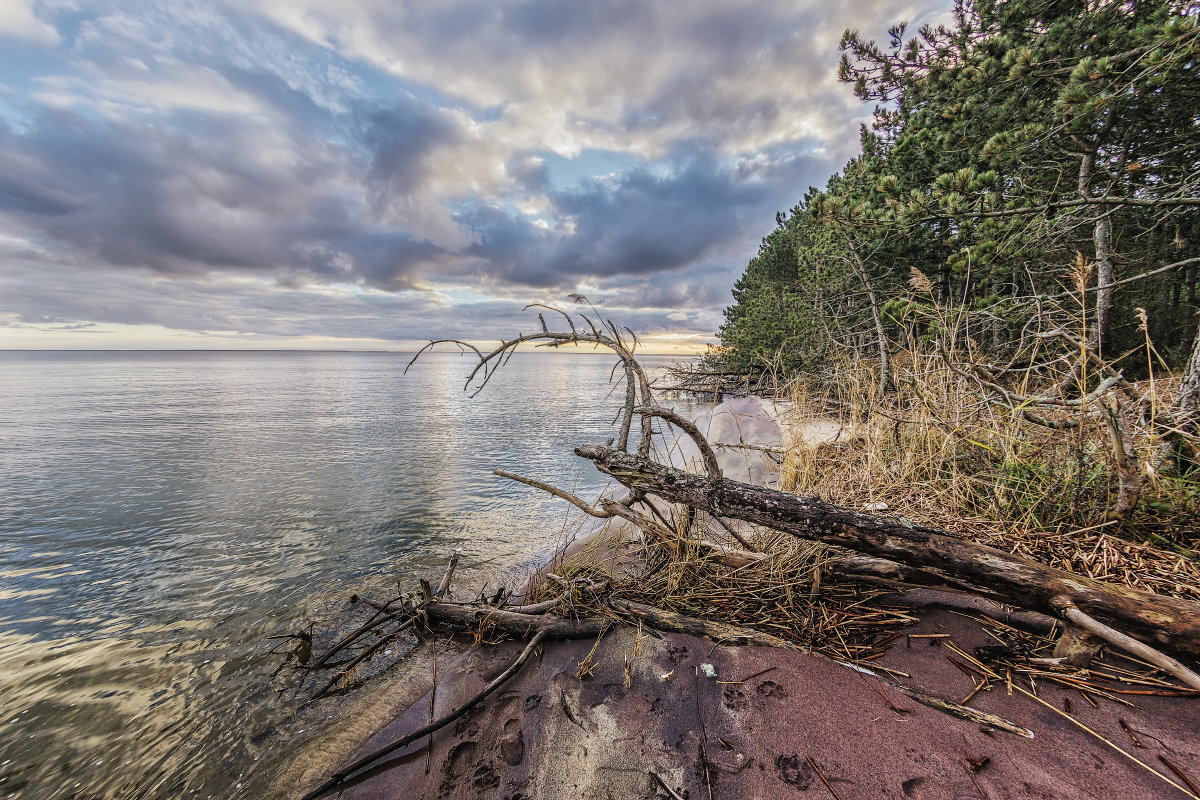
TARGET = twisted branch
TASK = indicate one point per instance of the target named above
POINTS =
(608, 335)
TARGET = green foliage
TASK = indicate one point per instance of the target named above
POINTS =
(1048, 490)
(1003, 145)
(776, 322)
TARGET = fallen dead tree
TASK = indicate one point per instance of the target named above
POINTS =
(1172, 624)
(939, 559)
(675, 532)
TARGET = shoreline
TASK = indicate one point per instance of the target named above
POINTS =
(634, 715)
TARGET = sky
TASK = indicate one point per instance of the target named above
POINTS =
(370, 175)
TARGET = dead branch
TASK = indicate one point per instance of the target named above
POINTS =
(512, 623)
(1118, 639)
(363, 656)
(882, 570)
(1015, 400)
(728, 556)
(381, 615)
(711, 466)
(965, 712)
(520, 622)
(565, 597)
(779, 451)
(737, 537)
(607, 336)
(659, 779)
(924, 598)
(375, 604)
(610, 508)
(554, 490)
(444, 586)
(694, 626)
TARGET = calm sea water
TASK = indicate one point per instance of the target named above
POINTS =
(161, 514)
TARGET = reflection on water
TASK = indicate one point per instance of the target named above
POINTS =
(161, 514)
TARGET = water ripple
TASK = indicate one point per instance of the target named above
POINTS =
(163, 513)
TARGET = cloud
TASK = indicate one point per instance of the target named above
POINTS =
(634, 75)
(19, 20)
(276, 167)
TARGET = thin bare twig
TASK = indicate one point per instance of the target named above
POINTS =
(583, 506)
(711, 466)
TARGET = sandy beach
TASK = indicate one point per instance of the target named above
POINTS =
(642, 714)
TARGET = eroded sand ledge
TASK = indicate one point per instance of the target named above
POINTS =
(548, 734)
(771, 723)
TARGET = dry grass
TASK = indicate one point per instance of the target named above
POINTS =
(782, 596)
(937, 452)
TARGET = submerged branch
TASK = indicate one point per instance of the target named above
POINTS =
(554, 490)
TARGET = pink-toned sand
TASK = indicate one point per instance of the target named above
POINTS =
(548, 734)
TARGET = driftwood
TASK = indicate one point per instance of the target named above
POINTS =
(924, 598)
(1165, 663)
(444, 585)
(566, 597)
(729, 556)
(511, 623)
(707, 629)
(523, 625)
(363, 656)
(964, 712)
(1170, 623)
(881, 570)
(375, 604)
(383, 612)
(583, 506)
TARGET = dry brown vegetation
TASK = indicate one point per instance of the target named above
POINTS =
(940, 452)
(1052, 455)
(789, 595)
(951, 449)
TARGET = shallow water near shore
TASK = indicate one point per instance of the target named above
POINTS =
(163, 513)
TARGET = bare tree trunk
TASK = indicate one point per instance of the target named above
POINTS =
(1101, 236)
(1182, 422)
(1101, 239)
(1189, 296)
(1187, 402)
(1130, 478)
(943, 282)
(860, 269)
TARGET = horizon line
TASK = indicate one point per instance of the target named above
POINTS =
(576, 350)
